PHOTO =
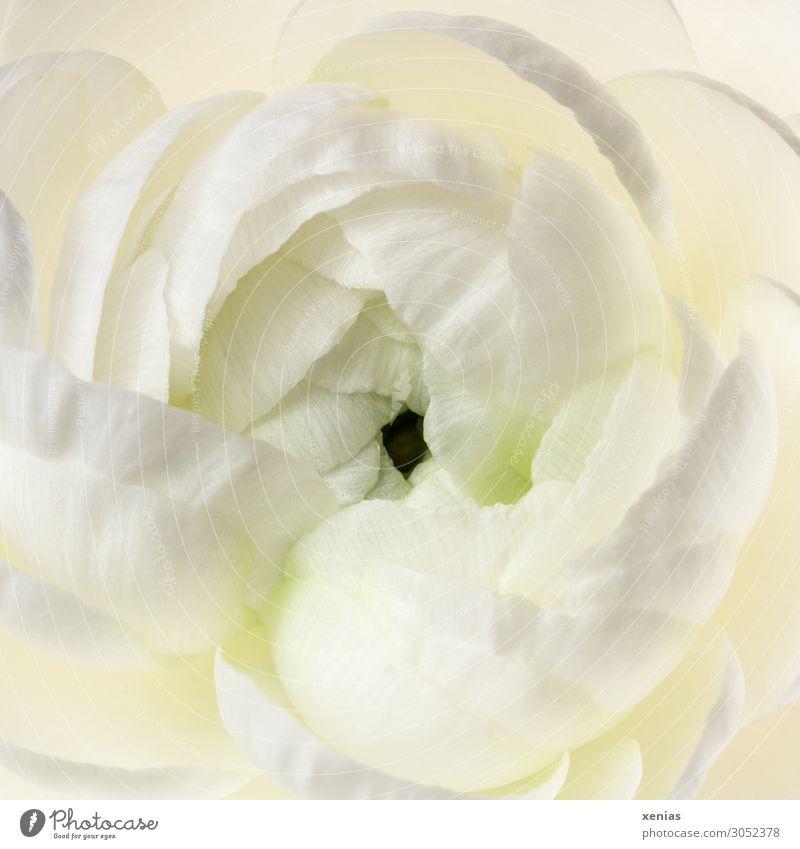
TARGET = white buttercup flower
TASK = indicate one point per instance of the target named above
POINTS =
(422, 430)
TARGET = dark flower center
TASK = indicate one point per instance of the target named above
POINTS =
(403, 441)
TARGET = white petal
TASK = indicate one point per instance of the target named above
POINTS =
(603, 770)
(602, 449)
(92, 781)
(390, 484)
(375, 355)
(322, 427)
(123, 193)
(259, 716)
(352, 480)
(702, 361)
(760, 762)
(734, 182)
(197, 229)
(281, 318)
(662, 748)
(356, 150)
(220, 49)
(137, 720)
(63, 117)
(133, 344)
(56, 622)
(144, 511)
(587, 288)
(440, 259)
(586, 295)
(760, 611)
(675, 550)
(684, 723)
(405, 671)
(608, 38)
(537, 63)
(720, 726)
(19, 316)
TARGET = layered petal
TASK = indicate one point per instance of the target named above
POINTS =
(260, 717)
(760, 610)
(144, 511)
(595, 34)
(534, 63)
(103, 732)
(19, 315)
(733, 172)
(63, 117)
(121, 210)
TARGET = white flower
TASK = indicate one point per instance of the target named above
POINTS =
(422, 430)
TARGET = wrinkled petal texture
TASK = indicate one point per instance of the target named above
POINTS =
(557, 245)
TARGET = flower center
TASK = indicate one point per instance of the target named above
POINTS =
(404, 442)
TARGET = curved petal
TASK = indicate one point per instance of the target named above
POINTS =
(602, 449)
(603, 770)
(440, 259)
(132, 349)
(539, 64)
(145, 512)
(749, 44)
(721, 724)
(197, 228)
(702, 361)
(57, 622)
(270, 331)
(428, 679)
(760, 762)
(63, 116)
(734, 182)
(588, 292)
(684, 723)
(19, 315)
(189, 48)
(163, 717)
(324, 428)
(353, 479)
(760, 610)
(676, 548)
(259, 716)
(354, 151)
(92, 781)
(586, 296)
